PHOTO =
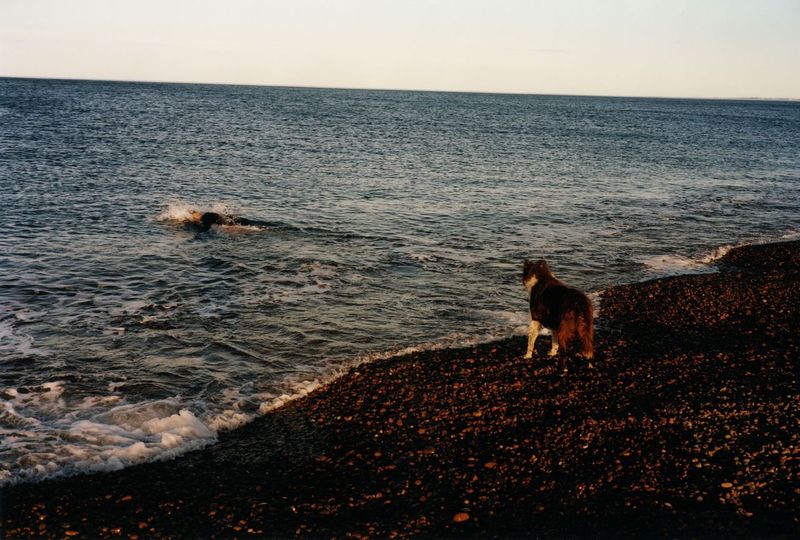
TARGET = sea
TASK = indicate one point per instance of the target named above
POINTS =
(386, 222)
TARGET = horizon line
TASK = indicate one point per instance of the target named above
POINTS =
(381, 89)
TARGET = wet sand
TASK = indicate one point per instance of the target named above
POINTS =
(687, 427)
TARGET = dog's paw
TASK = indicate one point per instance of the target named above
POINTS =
(527, 357)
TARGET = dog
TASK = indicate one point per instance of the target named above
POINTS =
(564, 310)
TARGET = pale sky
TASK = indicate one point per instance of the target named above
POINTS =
(676, 48)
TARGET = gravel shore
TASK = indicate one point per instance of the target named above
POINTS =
(687, 427)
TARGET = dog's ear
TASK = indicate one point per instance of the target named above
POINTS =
(541, 267)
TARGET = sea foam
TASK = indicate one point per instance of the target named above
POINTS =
(180, 211)
(99, 433)
(673, 264)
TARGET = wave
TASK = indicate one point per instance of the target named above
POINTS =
(107, 433)
(673, 264)
(180, 211)
(98, 433)
(792, 234)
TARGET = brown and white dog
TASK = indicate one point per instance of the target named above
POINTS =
(566, 311)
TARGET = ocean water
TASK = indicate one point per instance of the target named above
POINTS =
(389, 222)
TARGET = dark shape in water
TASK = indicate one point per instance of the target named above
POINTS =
(203, 222)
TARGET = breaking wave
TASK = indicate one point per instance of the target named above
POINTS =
(671, 264)
(107, 433)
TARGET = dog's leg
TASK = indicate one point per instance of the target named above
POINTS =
(533, 333)
(562, 364)
(561, 334)
(560, 341)
(585, 335)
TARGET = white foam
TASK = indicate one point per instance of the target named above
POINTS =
(97, 433)
(180, 211)
(10, 419)
(716, 254)
(45, 398)
(96, 402)
(297, 389)
(228, 420)
(668, 264)
(236, 409)
(28, 315)
(793, 234)
(105, 433)
(671, 264)
(177, 211)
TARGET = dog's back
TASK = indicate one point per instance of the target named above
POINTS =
(563, 309)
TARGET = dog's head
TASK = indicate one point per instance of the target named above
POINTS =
(533, 272)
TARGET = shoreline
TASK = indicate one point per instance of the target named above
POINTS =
(687, 427)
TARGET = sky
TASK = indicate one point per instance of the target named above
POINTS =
(671, 48)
